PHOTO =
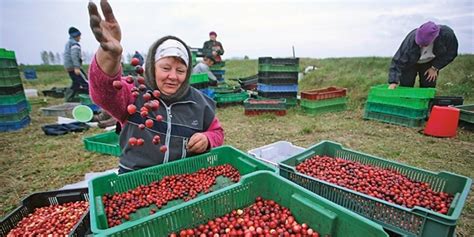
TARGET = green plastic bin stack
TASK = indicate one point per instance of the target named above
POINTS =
(14, 108)
(405, 106)
(105, 143)
(278, 79)
(218, 70)
(229, 95)
(319, 101)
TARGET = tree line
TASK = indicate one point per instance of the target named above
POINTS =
(50, 58)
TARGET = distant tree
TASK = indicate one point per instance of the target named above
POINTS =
(45, 57)
(58, 58)
(52, 60)
(246, 57)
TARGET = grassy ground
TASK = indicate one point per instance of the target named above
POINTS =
(31, 161)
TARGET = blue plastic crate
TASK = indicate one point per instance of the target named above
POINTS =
(30, 73)
(209, 92)
(12, 126)
(15, 108)
(277, 88)
(218, 72)
(95, 108)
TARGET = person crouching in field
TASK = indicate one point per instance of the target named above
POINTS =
(424, 51)
(203, 67)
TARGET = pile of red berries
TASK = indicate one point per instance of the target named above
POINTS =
(387, 184)
(53, 220)
(182, 186)
(263, 218)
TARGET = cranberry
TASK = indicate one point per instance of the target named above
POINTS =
(117, 85)
(131, 109)
(134, 62)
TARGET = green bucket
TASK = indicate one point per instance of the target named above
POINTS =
(82, 113)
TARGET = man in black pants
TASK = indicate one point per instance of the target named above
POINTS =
(424, 51)
(73, 65)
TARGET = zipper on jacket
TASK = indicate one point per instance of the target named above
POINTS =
(183, 150)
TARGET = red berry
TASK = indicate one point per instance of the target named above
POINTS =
(156, 94)
(135, 94)
(146, 96)
(163, 149)
(142, 87)
(140, 141)
(131, 108)
(140, 80)
(134, 62)
(117, 85)
(154, 105)
(144, 113)
(149, 123)
(129, 79)
(141, 126)
(159, 118)
(132, 141)
(156, 140)
(139, 69)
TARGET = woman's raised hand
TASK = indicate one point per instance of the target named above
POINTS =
(106, 31)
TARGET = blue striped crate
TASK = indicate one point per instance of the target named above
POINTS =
(12, 126)
(13, 109)
(277, 88)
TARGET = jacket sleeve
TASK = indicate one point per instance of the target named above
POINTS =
(206, 48)
(221, 51)
(400, 60)
(76, 55)
(215, 133)
(103, 93)
(451, 43)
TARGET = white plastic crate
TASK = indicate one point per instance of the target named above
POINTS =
(275, 152)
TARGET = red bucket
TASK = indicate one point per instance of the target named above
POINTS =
(443, 122)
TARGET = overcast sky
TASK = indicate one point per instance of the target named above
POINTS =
(317, 29)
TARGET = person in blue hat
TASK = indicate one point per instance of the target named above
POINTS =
(423, 52)
(73, 65)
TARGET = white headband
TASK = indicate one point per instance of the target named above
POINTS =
(172, 47)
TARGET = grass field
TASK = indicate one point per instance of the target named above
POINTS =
(31, 161)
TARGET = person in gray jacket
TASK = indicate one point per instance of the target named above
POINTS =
(73, 63)
(424, 51)
(203, 67)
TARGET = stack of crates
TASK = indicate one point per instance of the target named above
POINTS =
(319, 101)
(229, 95)
(405, 106)
(265, 106)
(14, 108)
(218, 71)
(200, 81)
(278, 78)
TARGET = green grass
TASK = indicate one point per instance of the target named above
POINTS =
(31, 161)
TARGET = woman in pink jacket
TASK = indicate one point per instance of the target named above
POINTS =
(179, 120)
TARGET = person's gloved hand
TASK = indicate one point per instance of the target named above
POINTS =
(431, 74)
(77, 71)
(198, 143)
(392, 86)
(106, 31)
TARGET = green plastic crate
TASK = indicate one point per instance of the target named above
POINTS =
(112, 183)
(394, 119)
(7, 63)
(105, 143)
(226, 89)
(314, 104)
(414, 221)
(7, 54)
(403, 92)
(277, 68)
(325, 109)
(9, 72)
(291, 102)
(265, 104)
(198, 78)
(396, 110)
(10, 81)
(12, 99)
(193, 58)
(85, 99)
(218, 66)
(230, 98)
(15, 117)
(411, 103)
(467, 113)
(321, 215)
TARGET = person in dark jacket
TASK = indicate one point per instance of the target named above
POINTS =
(72, 64)
(424, 51)
(213, 47)
(167, 119)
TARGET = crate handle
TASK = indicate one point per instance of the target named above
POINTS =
(454, 203)
(100, 211)
(320, 210)
(69, 194)
(242, 159)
